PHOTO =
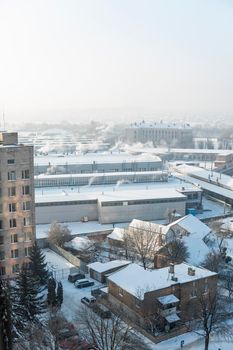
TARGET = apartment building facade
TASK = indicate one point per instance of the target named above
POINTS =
(172, 134)
(17, 209)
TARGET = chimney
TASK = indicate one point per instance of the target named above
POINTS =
(191, 271)
(172, 268)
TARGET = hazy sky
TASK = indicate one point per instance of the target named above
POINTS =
(59, 57)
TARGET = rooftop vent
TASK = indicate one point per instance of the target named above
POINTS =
(191, 271)
(172, 268)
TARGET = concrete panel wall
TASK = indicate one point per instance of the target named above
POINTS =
(65, 213)
(126, 213)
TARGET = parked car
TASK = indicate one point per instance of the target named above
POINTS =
(73, 277)
(89, 301)
(83, 283)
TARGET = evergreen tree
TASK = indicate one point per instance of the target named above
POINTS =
(27, 299)
(5, 318)
(38, 265)
(59, 294)
(51, 297)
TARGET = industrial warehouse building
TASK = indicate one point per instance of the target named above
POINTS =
(96, 163)
(43, 180)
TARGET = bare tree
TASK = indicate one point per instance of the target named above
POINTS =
(213, 261)
(59, 234)
(220, 234)
(143, 241)
(176, 251)
(211, 314)
(111, 333)
(227, 283)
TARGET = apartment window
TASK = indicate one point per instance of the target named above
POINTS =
(26, 221)
(14, 238)
(1, 225)
(1, 240)
(26, 205)
(27, 236)
(193, 292)
(121, 292)
(0, 208)
(15, 268)
(2, 255)
(27, 251)
(11, 191)
(26, 190)
(2, 270)
(10, 161)
(12, 207)
(25, 174)
(11, 175)
(12, 223)
(14, 253)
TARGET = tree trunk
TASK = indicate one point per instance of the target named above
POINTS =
(207, 339)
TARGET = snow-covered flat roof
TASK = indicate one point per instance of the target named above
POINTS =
(90, 158)
(95, 175)
(206, 175)
(207, 186)
(134, 279)
(45, 196)
(77, 228)
(103, 267)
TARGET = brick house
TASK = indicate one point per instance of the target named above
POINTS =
(161, 298)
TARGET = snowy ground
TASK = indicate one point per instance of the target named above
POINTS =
(72, 295)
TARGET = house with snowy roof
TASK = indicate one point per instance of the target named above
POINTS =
(189, 229)
(164, 298)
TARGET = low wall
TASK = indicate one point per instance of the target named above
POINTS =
(74, 260)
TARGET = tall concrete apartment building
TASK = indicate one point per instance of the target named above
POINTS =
(173, 134)
(17, 209)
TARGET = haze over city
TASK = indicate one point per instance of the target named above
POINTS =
(121, 60)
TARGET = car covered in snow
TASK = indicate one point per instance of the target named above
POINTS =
(89, 301)
(73, 277)
(83, 283)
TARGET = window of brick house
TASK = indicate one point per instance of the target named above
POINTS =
(14, 253)
(11, 191)
(2, 270)
(193, 292)
(27, 236)
(14, 238)
(12, 207)
(12, 223)
(26, 205)
(26, 190)
(25, 174)
(11, 175)
(27, 251)
(15, 268)
(120, 292)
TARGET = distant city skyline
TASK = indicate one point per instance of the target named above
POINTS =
(82, 60)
